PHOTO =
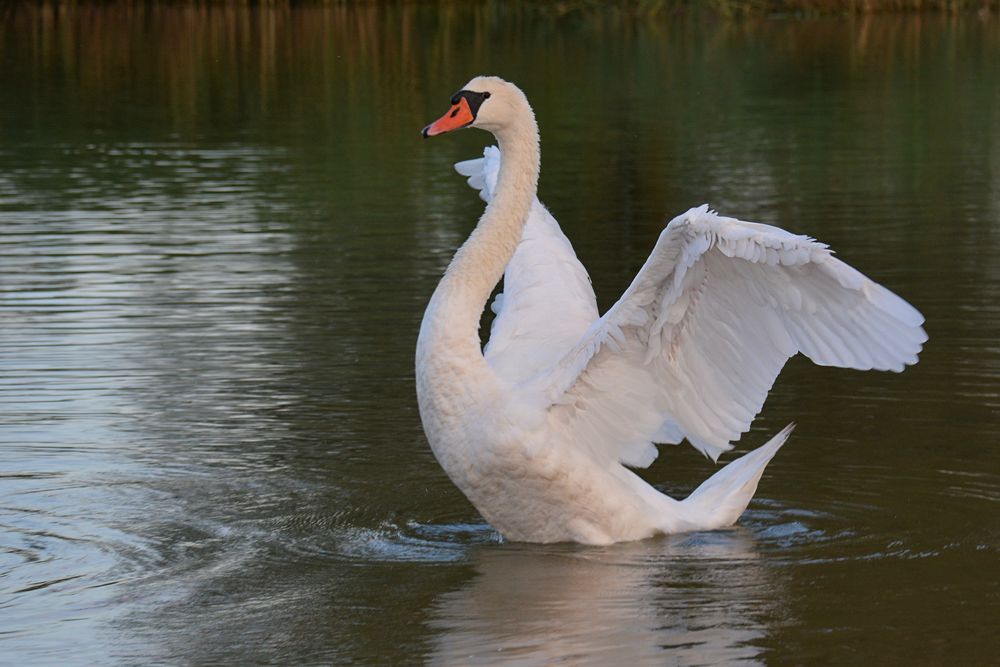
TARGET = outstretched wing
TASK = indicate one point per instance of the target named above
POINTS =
(547, 302)
(700, 335)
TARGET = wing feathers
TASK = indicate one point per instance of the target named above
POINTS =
(699, 337)
(696, 342)
(547, 302)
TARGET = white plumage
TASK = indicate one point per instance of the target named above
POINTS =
(547, 303)
(536, 429)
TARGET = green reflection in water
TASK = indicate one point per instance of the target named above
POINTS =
(220, 227)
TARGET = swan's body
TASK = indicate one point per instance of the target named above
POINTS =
(537, 430)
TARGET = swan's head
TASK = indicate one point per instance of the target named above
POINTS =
(486, 102)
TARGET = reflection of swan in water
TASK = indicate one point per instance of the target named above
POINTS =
(688, 599)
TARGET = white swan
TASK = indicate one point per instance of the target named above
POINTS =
(537, 430)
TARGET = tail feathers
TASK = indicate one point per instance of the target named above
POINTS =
(722, 498)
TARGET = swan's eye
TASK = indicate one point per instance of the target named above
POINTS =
(486, 95)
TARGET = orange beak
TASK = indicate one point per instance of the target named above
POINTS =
(457, 117)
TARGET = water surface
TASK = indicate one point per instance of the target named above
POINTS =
(218, 231)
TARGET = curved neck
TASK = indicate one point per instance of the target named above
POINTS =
(451, 322)
(479, 264)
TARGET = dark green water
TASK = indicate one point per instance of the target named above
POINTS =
(218, 231)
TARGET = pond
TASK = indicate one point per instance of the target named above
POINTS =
(219, 227)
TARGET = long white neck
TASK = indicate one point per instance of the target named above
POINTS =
(449, 335)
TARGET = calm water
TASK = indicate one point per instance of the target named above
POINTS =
(218, 231)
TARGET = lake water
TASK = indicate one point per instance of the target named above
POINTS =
(218, 231)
